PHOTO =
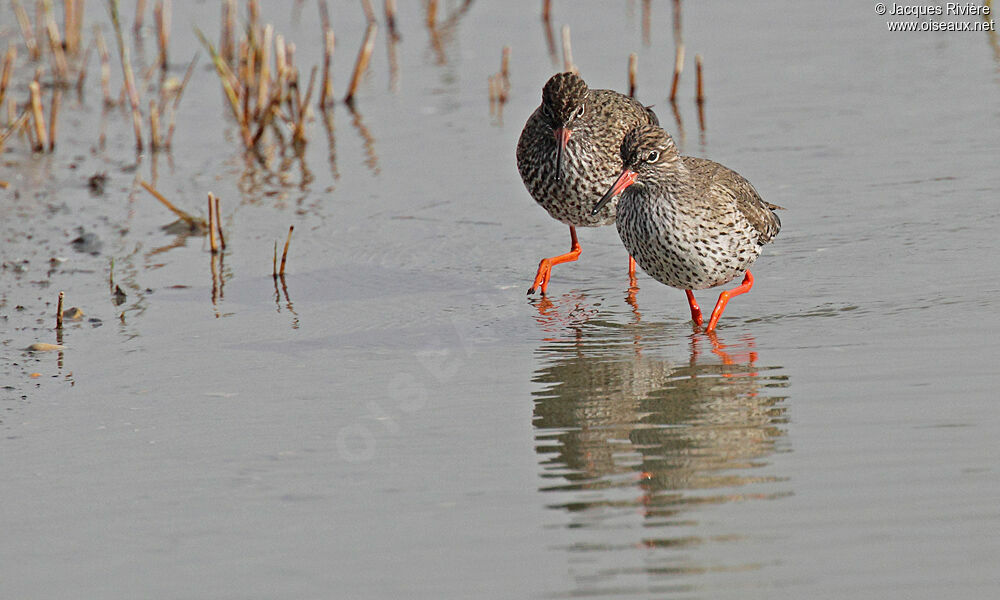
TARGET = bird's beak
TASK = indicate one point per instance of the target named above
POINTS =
(562, 138)
(624, 180)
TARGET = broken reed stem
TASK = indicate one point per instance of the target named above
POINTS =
(326, 87)
(54, 116)
(59, 310)
(505, 64)
(700, 94)
(274, 261)
(8, 68)
(324, 15)
(213, 241)
(133, 94)
(364, 55)
(193, 222)
(168, 143)
(493, 94)
(41, 136)
(432, 9)
(102, 51)
(633, 67)
(227, 42)
(155, 140)
(15, 125)
(567, 49)
(218, 223)
(679, 50)
(678, 67)
(263, 76)
(30, 41)
(69, 13)
(284, 253)
(140, 13)
(230, 84)
(82, 77)
(72, 14)
(366, 5)
(646, 10)
(390, 18)
(60, 66)
(161, 16)
(184, 82)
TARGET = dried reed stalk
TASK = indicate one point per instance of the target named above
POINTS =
(633, 67)
(102, 51)
(140, 14)
(390, 19)
(155, 139)
(8, 69)
(54, 117)
(59, 310)
(27, 32)
(15, 125)
(284, 253)
(133, 93)
(361, 64)
(366, 5)
(161, 16)
(227, 42)
(700, 94)
(678, 49)
(177, 101)
(81, 77)
(233, 88)
(493, 94)
(505, 65)
(218, 222)
(194, 223)
(60, 66)
(41, 135)
(324, 15)
(646, 18)
(326, 87)
(264, 75)
(73, 25)
(432, 6)
(213, 241)
(567, 49)
(678, 67)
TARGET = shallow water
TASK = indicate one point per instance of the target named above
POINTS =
(398, 419)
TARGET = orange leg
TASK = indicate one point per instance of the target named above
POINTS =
(632, 283)
(725, 296)
(545, 266)
(695, 309)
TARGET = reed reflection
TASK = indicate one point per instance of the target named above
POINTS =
(636, 430)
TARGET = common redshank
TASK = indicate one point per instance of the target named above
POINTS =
(569, 153)
(689, 222)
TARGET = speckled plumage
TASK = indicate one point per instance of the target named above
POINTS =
(592, 157)
(690, 223)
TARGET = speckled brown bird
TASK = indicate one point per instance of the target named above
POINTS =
(569, 153)
(689, 222)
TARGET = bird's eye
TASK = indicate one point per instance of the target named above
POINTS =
(578, 113)
(653, 156)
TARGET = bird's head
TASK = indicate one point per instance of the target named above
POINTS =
(564, 105)
(646, 151)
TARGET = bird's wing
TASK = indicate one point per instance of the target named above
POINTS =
(733, 185)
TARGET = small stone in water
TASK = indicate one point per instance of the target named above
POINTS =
(43, 347)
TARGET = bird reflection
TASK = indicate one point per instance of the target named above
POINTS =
(635, 427)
